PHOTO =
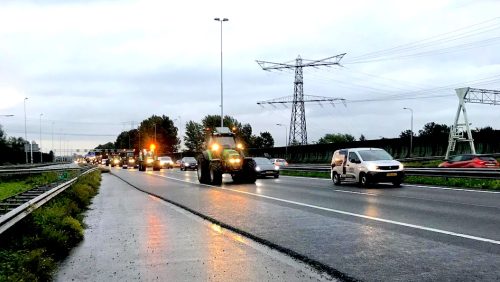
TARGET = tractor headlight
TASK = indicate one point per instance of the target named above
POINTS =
(131, 161)
(234, 161)
(215, 147)
(149, 161)
(239, 146)
(116, 161)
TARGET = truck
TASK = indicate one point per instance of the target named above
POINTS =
(223, 154)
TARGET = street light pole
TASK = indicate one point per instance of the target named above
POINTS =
(221, 85)
(286, 138)
(411, 136)
(40, 147)
(25, 131)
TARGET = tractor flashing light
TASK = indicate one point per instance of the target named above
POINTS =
(215, 147)
(152, 147)
(239, 146)
(234, 161)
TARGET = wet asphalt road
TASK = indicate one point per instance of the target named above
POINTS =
(134, 236)
(378, 234)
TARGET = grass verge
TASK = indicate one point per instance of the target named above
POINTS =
(490, 184)
(30, 249)
(10, 186)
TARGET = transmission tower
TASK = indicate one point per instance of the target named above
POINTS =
(457, 130)
(298, 131)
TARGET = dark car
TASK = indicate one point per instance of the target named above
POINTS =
(471, 161)
(188, 163)
(264, 167)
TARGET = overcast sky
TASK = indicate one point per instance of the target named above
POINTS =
(96, 68)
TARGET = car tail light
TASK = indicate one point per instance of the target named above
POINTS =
(479, 162)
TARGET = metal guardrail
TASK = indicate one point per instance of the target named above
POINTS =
(35, 170)
(485, 173)
(12, 217)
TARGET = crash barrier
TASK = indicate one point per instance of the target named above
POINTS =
(15, 208)
(485, 173)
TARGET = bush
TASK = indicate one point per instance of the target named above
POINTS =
(30, 249)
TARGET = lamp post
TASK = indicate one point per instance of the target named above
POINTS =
(40, 147)
(25, 131)
(411, 136)
(221, 86)
(286, 137)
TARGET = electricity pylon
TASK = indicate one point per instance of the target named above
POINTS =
(298, 131)
(468, 95)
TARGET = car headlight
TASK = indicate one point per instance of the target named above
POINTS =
(401, 166)
(276, 167)
(372, 167)
(186, 164)
(170, 162)
(116, 161)
(257, 168)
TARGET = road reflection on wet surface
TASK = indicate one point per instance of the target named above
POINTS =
(135, 236)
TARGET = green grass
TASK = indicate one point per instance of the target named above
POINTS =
(434, 163)
(30, 250)
(315, 174)
(10, 186)
(490, 184)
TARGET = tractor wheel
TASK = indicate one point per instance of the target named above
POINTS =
(156, 166)
(215, 173)
(237, 177)
(249, 173)
(203, 170)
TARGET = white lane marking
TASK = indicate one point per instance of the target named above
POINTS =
(351, 214)
(455, 189)
(412, 185)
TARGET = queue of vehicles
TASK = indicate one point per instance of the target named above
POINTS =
(224, 154)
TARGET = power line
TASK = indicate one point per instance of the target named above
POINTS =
(433, 40)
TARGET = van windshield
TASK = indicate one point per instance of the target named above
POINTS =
(374, 155)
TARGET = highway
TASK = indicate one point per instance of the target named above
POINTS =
(380, 233)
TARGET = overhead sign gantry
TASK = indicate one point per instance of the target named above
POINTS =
(459, 129)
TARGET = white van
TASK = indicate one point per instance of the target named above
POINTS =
(365, 166)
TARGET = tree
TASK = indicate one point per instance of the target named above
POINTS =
(194, 137)
(161, 131)
(405, 134)
(127, 140)
(267, 140)
(336, 138)
(362, 138)
(107, 146)
(245, 135)
(213, 121)
(434, 130)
